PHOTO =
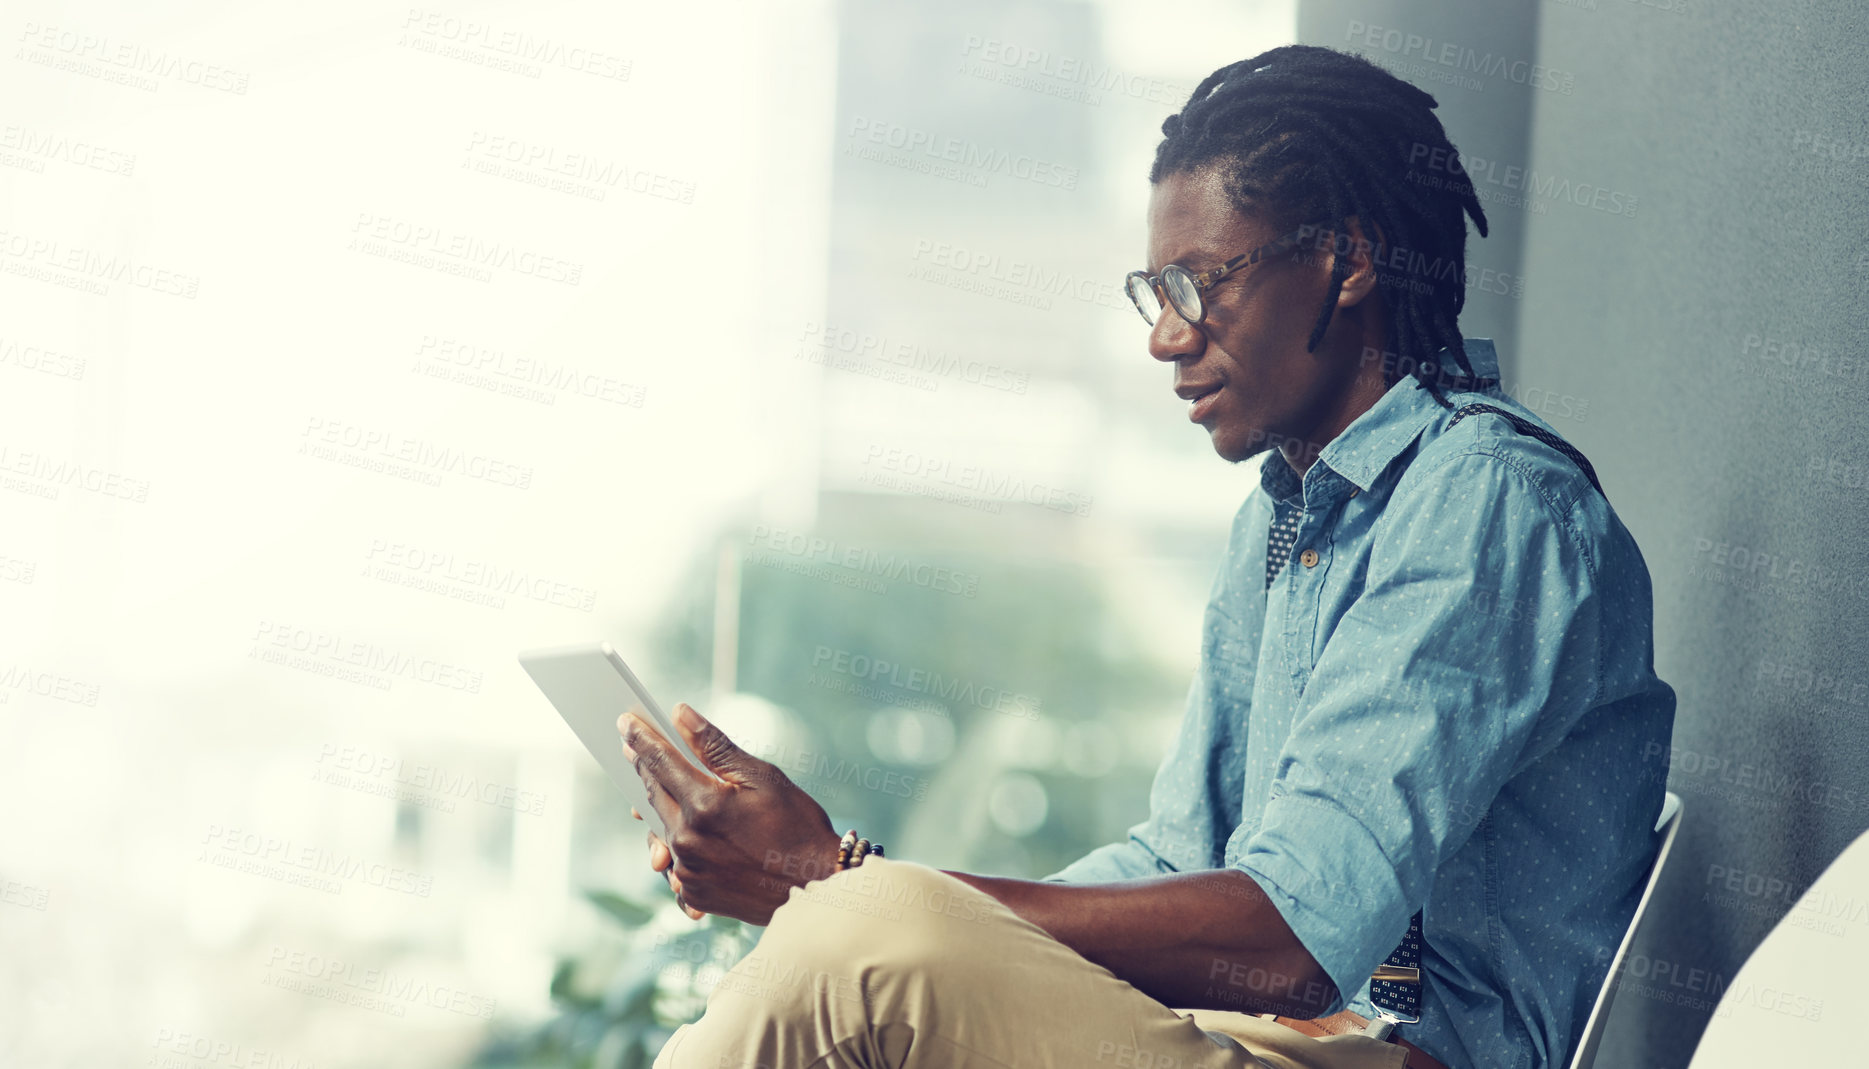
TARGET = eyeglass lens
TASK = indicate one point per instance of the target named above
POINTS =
(1182, 293)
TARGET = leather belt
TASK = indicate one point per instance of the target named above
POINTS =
(1347, 1022)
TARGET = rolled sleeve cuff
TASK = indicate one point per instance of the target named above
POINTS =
(1329, 880)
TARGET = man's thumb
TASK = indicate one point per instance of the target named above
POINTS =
(711, 745)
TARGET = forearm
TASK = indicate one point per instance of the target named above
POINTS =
(1195, 940)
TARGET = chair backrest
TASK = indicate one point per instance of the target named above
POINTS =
(1795, 999)
(1666, 827)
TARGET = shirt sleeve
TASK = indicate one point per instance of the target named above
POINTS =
(1130, 859)
(1195, 797)
(1471, 651)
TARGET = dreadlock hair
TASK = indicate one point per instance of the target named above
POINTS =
(1312, 135)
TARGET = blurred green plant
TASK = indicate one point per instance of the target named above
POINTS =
(620, 998)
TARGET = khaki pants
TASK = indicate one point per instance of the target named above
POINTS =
(895, 965)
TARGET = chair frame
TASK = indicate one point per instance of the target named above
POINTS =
(1667, 826)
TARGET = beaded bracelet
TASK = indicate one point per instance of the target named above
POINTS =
(851, 850)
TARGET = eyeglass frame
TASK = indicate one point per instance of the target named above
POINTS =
(1206, 280)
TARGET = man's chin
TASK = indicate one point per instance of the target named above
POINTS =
(1236, 444)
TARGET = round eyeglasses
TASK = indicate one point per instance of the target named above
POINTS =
(1183, 288)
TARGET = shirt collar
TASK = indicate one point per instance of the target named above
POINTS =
(1374, 439)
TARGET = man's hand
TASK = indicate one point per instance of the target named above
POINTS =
(661, 861)
(736, 846)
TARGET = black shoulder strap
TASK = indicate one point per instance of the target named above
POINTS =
(1525, 426)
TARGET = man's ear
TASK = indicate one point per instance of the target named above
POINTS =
(1365, 249)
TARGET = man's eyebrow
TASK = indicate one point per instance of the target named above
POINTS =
(1195, 260)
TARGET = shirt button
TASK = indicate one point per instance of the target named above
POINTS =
(1309, 558)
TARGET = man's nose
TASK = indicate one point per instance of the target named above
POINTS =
(1172, 337)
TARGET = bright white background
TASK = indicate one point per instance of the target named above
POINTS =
(193, 542)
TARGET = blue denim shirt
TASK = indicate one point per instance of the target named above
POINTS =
(1443, 710)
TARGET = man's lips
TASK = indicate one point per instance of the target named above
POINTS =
(1204, 396)
(1192, 391)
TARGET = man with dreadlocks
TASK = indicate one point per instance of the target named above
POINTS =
(1408, 786)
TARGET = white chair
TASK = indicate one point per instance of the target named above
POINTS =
(1666, 827)
(1799, 997)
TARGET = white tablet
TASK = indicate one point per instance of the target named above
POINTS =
(591, 687)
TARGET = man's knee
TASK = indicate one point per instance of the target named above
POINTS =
(897, 910)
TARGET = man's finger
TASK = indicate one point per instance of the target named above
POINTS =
(721, 754)
(666, 775)
(675, 886)
(660, 857)
(633, 813)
